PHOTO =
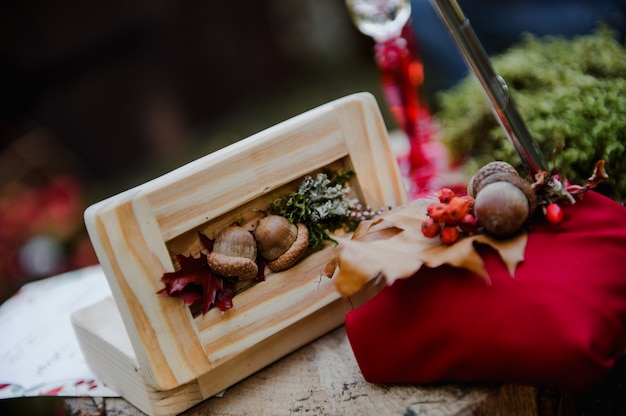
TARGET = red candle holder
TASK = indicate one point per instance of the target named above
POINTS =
(398, 59)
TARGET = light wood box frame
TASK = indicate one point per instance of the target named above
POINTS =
(152, 349)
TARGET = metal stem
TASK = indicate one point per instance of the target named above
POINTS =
(493, 85)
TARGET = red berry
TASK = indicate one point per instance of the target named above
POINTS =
(437, 211)
(430, 228)
(449, 235)
(469, 201)
(469, 224)
(456, 210)
(445, 195)
(554, 213)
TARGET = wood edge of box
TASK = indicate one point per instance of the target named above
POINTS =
(353, 113)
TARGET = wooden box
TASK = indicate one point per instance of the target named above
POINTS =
(153, 350)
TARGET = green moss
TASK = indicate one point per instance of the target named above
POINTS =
(572, 90)
(322, 203)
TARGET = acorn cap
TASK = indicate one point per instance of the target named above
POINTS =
(497, 166)
(293, 254)
(230, 266)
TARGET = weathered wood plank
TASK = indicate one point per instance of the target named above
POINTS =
(323, 378)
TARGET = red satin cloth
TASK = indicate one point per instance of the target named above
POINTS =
(560, 322)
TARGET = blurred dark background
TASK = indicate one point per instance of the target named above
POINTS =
(119, 84)
(100, 96)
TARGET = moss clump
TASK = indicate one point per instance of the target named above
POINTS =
(566, 90)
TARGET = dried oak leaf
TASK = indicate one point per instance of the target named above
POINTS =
(392, 246)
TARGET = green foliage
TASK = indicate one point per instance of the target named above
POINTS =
(322, 204)
(571, 90)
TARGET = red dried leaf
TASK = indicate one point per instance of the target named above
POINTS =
(224, 299)
(195, 281)
(189, 272)
(190, 295)
(211, 285)
(192, 282)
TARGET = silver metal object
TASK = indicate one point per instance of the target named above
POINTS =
(493, 85)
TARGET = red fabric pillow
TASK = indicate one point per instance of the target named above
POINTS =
(560, 322)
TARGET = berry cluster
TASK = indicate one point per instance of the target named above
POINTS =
(450, 216)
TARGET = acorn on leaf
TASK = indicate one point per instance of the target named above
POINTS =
(503, 200)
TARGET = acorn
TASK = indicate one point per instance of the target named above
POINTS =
(234, 254)
(280, 242)
(503, 199)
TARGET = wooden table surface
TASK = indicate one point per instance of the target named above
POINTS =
(323, 378)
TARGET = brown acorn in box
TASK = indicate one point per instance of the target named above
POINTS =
(234, 254)
(280, 242)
